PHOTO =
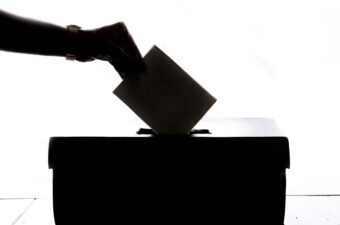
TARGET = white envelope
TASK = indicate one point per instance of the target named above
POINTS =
(165, 97)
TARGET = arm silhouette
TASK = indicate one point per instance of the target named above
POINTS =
(111, 43)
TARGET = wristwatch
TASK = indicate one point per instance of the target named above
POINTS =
(73, 31)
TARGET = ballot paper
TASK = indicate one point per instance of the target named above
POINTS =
(165, 97)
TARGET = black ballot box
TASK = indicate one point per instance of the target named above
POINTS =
(235, 175)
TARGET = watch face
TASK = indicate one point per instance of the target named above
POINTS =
(73, 28)
(70, 57)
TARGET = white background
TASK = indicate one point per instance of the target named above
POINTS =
(278, 59)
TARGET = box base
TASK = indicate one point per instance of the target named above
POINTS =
(168, 180)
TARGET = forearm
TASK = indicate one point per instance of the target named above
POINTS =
(111, 43)
(34, 37)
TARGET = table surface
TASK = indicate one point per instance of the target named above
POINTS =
(300, 210)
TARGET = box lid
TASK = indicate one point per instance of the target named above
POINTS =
(252, 139)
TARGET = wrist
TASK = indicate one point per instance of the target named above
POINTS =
(80, 45)
(86, 42)
(73, 49)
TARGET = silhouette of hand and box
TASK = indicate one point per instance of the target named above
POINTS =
(165, 97)
(235, 173)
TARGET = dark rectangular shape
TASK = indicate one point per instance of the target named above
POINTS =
(169, 179)
(165, 97)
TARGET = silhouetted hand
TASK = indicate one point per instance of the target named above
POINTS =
(113, 44)
(110, 43)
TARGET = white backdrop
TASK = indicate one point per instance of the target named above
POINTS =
(278, 59)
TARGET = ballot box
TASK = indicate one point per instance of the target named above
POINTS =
(228, 171)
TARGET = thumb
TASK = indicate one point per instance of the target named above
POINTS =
(119, 69)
